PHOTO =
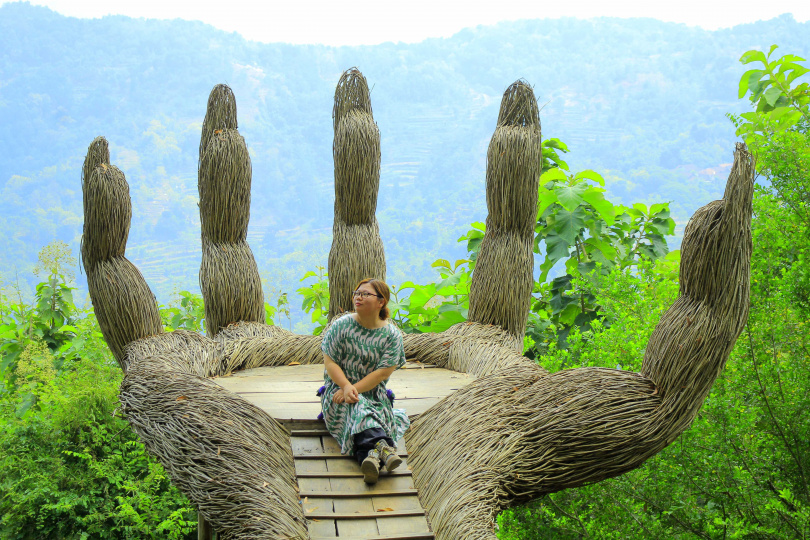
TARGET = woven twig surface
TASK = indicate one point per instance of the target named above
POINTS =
(125, 307)
(230, 285)
(501, 287)
(357, 249)
(229, 277)
(220, 114)
(224, 186)
(230, 458)
(521, 433)
(468, 347)
(250, 345)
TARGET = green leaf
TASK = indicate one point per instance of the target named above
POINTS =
(556, 247)
(595, 197)
(753, 56)
(797, 72)
(555, 143)
(749, 79)
(569, 314)
(604, 248)
(571, 266)
(421, 295)
(641, 207)
(441, 263)
(449, 281)
(569, 225)
(789, 119)
(474, 244)
(659, 244)
(570, 197)
(591, 175)
(771, 95)
(545, 198)
(445, 320)
(552, 175)
(662, 226)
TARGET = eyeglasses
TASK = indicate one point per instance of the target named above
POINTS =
(364, 294)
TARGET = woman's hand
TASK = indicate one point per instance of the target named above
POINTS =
(350, 394)
(338, 397)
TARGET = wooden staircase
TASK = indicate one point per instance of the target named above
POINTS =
(338, 504)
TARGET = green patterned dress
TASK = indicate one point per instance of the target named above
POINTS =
(359, 351)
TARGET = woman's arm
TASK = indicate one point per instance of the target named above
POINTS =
(350, 393)
(370, 381)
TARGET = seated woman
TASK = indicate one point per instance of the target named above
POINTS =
(361, 351)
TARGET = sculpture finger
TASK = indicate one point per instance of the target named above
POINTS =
(124, 305)
(357, 250)
(229, 276)
(691, 343)
(501, 287)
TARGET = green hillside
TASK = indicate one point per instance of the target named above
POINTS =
(640, 101)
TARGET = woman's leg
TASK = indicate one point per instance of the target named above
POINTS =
(366, 440)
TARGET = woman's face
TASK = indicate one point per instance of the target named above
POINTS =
(367, 305)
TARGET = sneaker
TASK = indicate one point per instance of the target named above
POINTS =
(371, 467)
(388, 455)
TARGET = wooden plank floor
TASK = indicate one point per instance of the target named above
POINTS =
(338, 504)
(336, 501)
(287, 393)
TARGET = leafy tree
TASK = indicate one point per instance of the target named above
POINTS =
(316, 298)
(70, 467)
(187, 312)
(49, 319)
(587, 233)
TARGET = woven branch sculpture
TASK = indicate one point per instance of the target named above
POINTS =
(514, 434)
(357, 249)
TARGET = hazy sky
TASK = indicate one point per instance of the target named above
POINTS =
(375, 21)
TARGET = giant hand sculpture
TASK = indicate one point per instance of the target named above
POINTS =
(514, 434)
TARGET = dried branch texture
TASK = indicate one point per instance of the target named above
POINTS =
(357, 249)
(467, 347)
(697, 334)
(229, 277)
(124, 305)
(501, 286)
(520, 433)
(232, 460)
(281, 349)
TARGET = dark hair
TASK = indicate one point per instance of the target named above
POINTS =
(381, 288)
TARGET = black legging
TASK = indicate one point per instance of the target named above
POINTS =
(365, 441)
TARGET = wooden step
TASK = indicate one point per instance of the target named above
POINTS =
(339, 505)
(412, 536)
(349, 474)
(308, 432)
(326, 455)
(357, 494)
(363, 515)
